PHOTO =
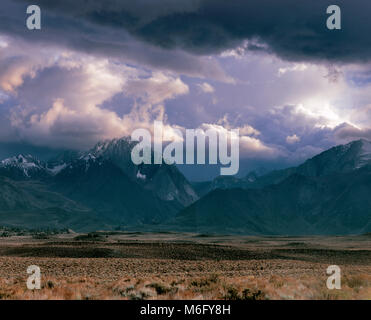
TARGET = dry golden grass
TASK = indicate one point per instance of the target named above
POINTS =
(177, 287)
(166, 269)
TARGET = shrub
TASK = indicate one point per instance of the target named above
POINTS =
(160, 289)
(233, 294)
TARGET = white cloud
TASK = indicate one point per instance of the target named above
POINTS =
(292, 139)
(250, 146)
(14, 70)
(292, 68)
(206, 87)
(60, 105)
(157, 88)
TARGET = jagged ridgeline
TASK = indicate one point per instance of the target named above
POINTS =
(100, 188)
(103, 189)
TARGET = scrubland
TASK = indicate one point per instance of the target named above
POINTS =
(134, 265)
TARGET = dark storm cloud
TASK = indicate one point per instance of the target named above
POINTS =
(69, 26)
(292, 29)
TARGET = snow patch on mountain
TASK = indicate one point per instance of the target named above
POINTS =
(24, 163)
(88, 157)
(56, 169)
(141, 176)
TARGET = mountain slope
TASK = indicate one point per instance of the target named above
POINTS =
(30, 204)
(103, 181)
(166, 181)
(101, 185)
(334, 204)
(103, 189)
(339, 159)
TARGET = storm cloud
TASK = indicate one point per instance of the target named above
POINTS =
(99, 69)
(291, 29)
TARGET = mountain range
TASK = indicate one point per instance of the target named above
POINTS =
(328, 194)
(102, 189)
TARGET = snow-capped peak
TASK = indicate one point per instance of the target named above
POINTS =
(25, 163)
(21, 160)
(88, 157)
(107, 147)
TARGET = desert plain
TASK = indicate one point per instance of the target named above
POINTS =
(169, 265)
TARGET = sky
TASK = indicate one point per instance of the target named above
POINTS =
(100, 69)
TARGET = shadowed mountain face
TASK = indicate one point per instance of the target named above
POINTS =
(32, 204)
(299, 205)
(103, 189)
(339, 159)
(103, 186)
(328, 194)
(102, 181)
(163, 180)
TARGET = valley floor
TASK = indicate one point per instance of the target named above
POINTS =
(134, 265)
